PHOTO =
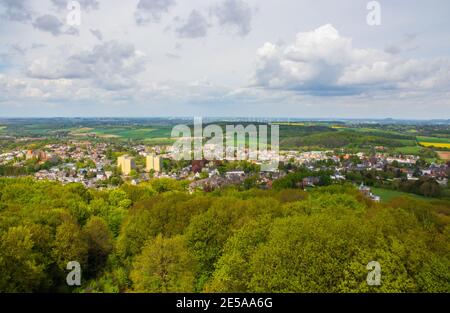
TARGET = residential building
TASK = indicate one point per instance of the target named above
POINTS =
(35, 154)
(126, 164)
(154, 163)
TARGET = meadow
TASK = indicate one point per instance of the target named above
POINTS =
(387, 194)
(433, 139)
(129, 132)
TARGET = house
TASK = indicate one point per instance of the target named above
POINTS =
(442, 182)
(197, 165)
(365, 190)
(337, 177)
(310, 181)
(232, 174)
(426, 172)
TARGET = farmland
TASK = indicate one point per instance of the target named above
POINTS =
(433, 139)
(125, 132)
(435, 144)
(395, 138)
(444, 155)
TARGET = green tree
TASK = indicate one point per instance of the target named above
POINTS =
(19, 269)
(69, 245)
(99, 243)
(165, 265)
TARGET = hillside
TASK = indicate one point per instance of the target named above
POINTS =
(155, 237)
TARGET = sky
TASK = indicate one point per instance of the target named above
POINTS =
(246, 58)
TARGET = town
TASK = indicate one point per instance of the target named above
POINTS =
(104, 165)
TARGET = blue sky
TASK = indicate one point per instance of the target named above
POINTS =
(299, 58)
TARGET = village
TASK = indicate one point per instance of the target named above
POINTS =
(100, 165)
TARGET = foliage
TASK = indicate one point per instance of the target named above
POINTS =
(164, 265)
(156, 237)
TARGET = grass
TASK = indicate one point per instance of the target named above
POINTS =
(408, 150)
(289, 123)
(405, 142)
(144, 133)
(388, 194)
(159, 141)
(377, 131)
(433, 139)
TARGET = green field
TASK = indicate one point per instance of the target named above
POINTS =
(433, 139)
(376, 131)
(387, 194)
(144, 133)
(159, 141)
(301, 135)
(408, 150)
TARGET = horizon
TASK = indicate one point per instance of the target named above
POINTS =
(249, 118)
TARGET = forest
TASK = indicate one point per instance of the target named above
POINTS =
(157, 237)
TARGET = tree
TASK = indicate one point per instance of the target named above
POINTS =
(134, 174)
(19, 269)
(164, 265)
(168, 214)
(230, 240)
(435, 276)
(304, 254)
(233, 272)
(69, 245)
(430, 188)
(250, 182)
(99, 242)
(119, 198)
(167, 184)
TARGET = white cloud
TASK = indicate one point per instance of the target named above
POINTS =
(322, 62)
(109, 65)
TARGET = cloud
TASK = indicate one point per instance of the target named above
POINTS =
(110, 65)
(234, 14)
(17, 48)
(12, 55)
(16, 10)
(393, 49)
(173, 55)
(405, 44)
(97, 34)
(84, 4)
(51, 24)
(150, 11)
(196, 26)
(321, 62)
